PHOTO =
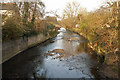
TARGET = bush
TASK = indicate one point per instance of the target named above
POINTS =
(12, 28)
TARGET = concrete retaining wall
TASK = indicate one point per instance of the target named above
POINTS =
(13, 47)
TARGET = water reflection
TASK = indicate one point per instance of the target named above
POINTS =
(66, 57)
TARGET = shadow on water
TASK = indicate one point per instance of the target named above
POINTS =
(65, 56)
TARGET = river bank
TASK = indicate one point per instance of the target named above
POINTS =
(107, 65)
(11, 48)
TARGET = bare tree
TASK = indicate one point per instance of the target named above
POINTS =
(71, 12)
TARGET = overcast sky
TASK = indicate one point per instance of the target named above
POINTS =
(59, 5)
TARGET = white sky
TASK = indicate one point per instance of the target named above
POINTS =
(59, 5)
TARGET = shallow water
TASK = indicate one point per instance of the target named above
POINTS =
(74, 62)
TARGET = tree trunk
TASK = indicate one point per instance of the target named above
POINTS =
(33, 17)
(26, 8)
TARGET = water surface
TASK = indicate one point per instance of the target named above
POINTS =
(73, 59)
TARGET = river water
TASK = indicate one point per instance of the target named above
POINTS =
(65, 56)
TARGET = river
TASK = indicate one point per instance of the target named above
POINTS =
(65, 56)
